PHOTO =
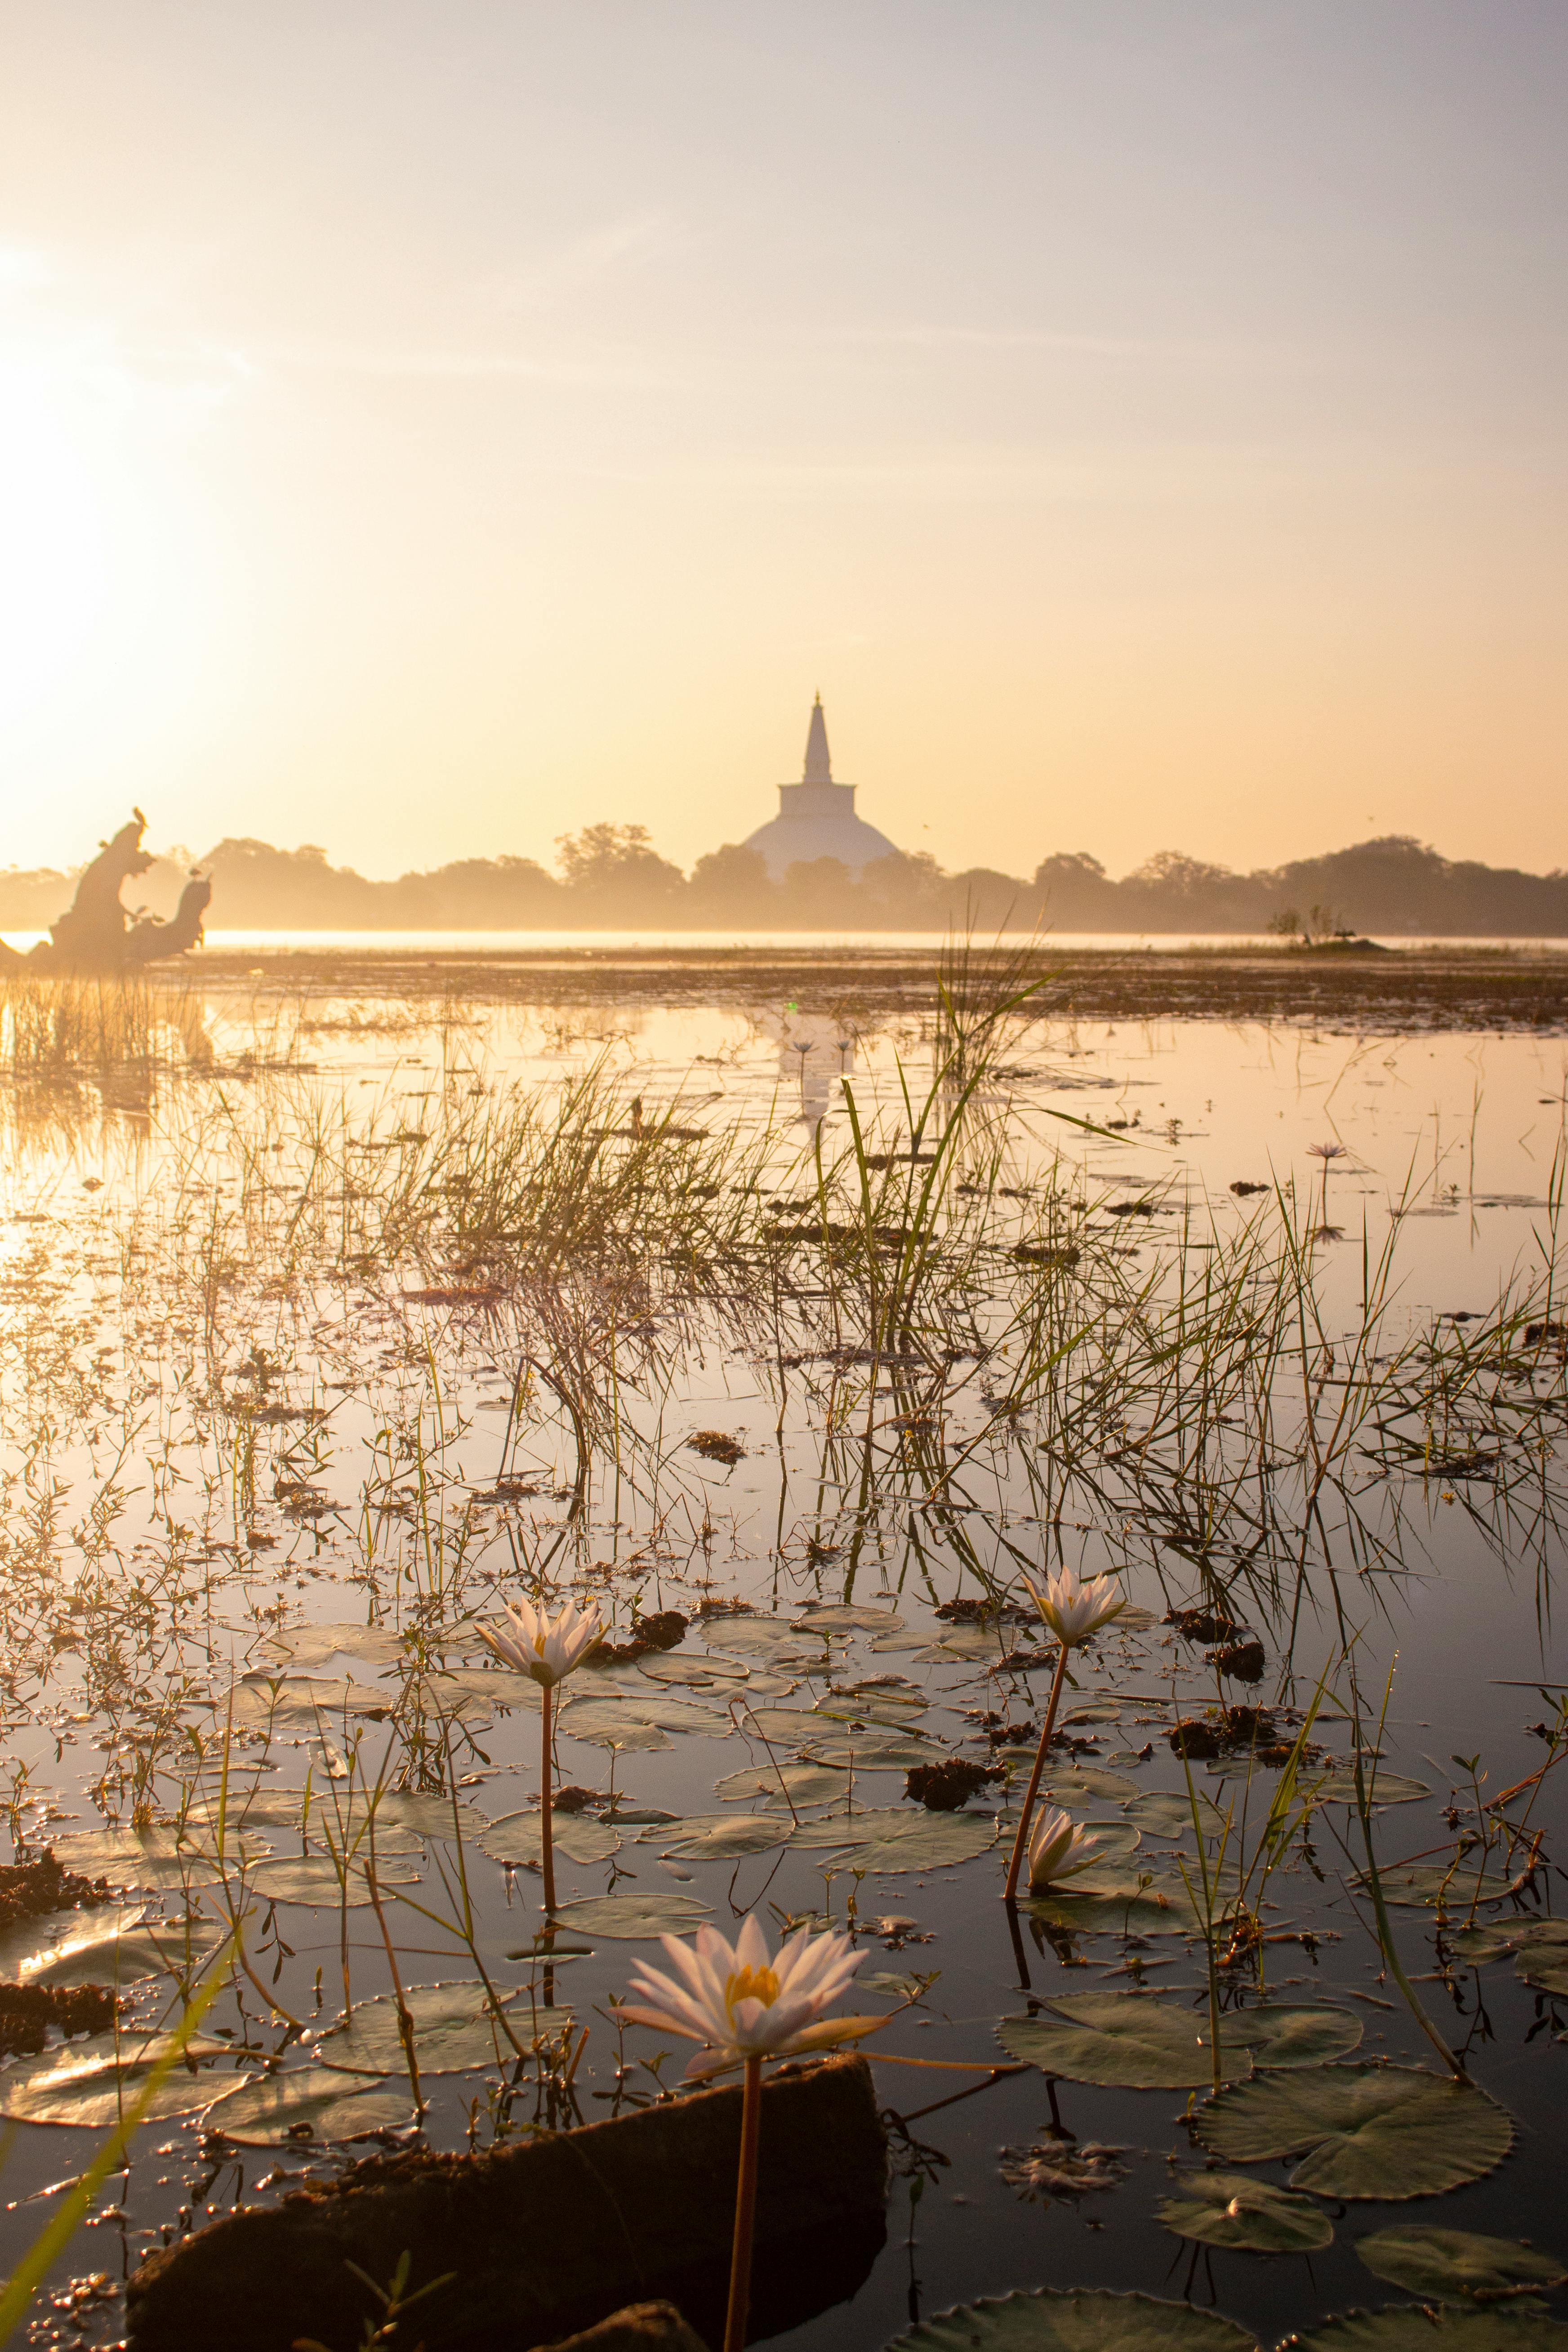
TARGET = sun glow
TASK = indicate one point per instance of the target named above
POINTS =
(105, 565)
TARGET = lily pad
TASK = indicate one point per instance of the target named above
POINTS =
(314, 1878)
(808, 1784)
(426, 1816)
(454, 2029)
(628, 1917)
(1337, 1787)
(1416, 2327)
(1382, 2132)
(311, 2102)
(1454, 1888)
(1543, 1960)
(1076, 2319)
(120, 1955)
(1287, 2034)
(1129, 2041)
(1453, 2264)
(520, 1838)
(1128, 1911)
(681, 1667)
(1086, 1782)
(90, 2082)
(719, 1837)
(157, 1857)
(767, 1636)
(849, 1617)
(28, 1945)
(876, 1751)
(1232, 2208)
(886, 1840)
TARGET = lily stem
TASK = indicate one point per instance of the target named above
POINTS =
(740, 2310)
(547, 1845)
(1021, 1842)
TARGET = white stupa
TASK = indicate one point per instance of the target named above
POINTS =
(817, 818)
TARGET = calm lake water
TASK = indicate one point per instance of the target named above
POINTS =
(233, 1423)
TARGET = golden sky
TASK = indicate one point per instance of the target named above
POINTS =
(428, 427)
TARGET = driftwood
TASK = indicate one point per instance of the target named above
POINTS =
(96, 933)
(547, 2236)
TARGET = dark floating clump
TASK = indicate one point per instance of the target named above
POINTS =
(1203, 1625)
(1242, 1661)
(664, 1630)
(943, 1788)
(30, 1890)
(1223, 1728)
(717, 1445)
(27, 2012)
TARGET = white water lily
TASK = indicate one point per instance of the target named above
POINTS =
(743, 2005)
(1072, 1610)
(548, 1648)
(1058, 1849)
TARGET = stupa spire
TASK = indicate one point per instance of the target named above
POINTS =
(818, 768)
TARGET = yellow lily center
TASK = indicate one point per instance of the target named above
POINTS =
(750, 1984)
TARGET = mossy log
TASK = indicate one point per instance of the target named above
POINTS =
(547, 2236)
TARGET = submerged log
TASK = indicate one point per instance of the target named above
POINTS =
(96, 933)
(548, 2236)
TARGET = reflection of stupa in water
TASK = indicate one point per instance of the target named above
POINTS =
(817, 818)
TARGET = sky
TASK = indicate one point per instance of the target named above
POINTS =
(425, 429)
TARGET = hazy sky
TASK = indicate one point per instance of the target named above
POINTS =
(428, 425)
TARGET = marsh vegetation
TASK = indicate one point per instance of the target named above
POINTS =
(328, 1326)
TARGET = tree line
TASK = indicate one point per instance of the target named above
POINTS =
(610, 877)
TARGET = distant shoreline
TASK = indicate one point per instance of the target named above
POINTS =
(1474, 985)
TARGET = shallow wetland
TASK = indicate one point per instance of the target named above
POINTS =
(792, 1325)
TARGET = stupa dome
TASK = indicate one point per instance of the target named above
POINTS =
(817, 818)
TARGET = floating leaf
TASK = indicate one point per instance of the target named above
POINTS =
(783, 1725)
(1083, 1782)
(158, 1858)
(770, 1637)
(315, 1878)
(886, 1841)
(1384, 2132)
(1457, 2263)
(1337, 1787)
(849, 1617)
(311, 2102)
(1161, 1813)
(1416, 2327)
(1231, 2209)
(110, 1953)
(454, 2028)
(1454, 1887)
(1129, 1911)
(808, 1784)
(1288, 2034)
(1131, 2040)
(876, 1751)
(702, 1671)
(28, 1945)
(520, 1838)
(90, 2082)
(625, 1917)
(1076, 2319)
(426, 1816)
(719, 1837)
